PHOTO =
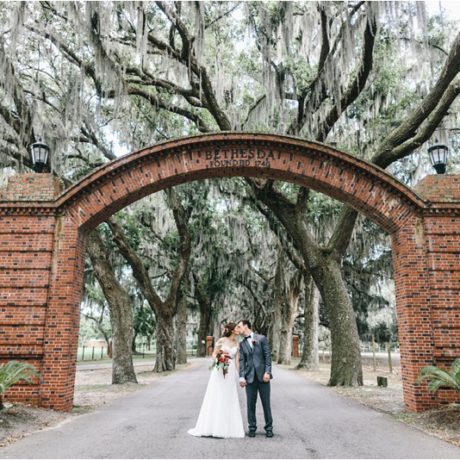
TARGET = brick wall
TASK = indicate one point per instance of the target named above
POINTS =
(31, 187)
(25, 266)
(443, 188)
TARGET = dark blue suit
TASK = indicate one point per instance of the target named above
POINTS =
(255, 361)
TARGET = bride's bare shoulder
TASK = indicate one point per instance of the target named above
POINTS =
(228, 343)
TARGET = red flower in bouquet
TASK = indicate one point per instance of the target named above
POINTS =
(222, 361)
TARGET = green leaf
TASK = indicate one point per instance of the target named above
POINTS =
(439, 378)
(14, 371)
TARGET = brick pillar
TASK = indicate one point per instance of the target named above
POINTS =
(63, 317)
(295, 346)
(209, 345)
(26, 248)
(413, 311)
(26, 244)
(442, 240)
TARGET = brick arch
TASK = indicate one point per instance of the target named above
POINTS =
(364, 186)
(43, 241)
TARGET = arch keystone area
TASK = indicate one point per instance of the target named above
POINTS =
(43, 240)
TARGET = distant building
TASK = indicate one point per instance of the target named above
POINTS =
(96, 343)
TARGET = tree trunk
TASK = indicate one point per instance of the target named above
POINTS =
(310, 354)
(133, 344)
(204, 328)
(324, 266)
(181, 330)
(279, 300)
(204, 303)
(275, 333)
(165, 355)
(288, 316)
(346, 366)
(122, 358)
(121, 314)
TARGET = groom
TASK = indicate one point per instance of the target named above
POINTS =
(255, 375)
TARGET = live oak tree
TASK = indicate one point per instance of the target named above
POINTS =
(164, 309)
(120, 311)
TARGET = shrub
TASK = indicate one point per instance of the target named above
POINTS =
(11, 373)
(439, 378)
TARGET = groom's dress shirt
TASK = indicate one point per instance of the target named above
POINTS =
(249, 339)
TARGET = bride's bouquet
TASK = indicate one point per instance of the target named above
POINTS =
(222, 361)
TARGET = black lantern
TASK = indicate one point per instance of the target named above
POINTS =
(438, 156)
(40, 154)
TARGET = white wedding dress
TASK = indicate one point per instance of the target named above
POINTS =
(220, 413)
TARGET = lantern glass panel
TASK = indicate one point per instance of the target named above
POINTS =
(40, 154)
(438, 155)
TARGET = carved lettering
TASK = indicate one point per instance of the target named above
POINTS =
(238, 157)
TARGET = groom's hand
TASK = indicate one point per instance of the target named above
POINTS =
(266, 377)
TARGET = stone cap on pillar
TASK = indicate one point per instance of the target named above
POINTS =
(440, 188)
(31, 187)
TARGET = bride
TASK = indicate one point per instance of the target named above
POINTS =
(220, 414)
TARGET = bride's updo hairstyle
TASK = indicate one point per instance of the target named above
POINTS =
(228, 329)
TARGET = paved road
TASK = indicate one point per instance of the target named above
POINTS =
(311, 421)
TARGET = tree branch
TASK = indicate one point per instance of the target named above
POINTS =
(22, 124)
(160, 103)
(223, 15)
(325, 46)
(93, 139)
(254, 295)
(177, 22)
(343, 232)
(281, 235)
(317, 86)
(293, 221)
(358, 84)
(384, 153)
(187, 58)
(424, 132)
(139, 271)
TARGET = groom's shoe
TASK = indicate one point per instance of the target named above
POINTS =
(269, 434)
(252, 434)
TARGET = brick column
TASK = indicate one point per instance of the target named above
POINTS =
(442, 240)
(295, 346)
(41, 282)
(413, 311)
(209, 345)
(26, 247)
(62, 317)
(26, 244)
